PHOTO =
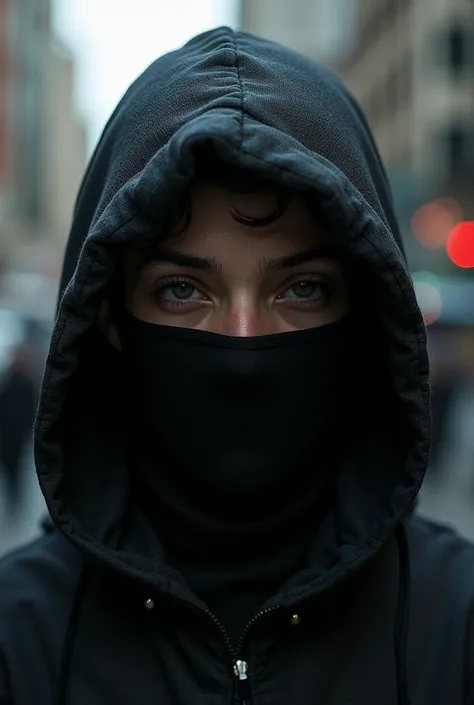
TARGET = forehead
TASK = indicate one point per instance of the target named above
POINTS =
(237, 220)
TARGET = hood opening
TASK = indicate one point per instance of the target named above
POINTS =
(80, 443)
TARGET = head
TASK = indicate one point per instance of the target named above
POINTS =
(270, 110)
(240, 257)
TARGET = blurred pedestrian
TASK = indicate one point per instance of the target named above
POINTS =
(18, 399)
(235, 415)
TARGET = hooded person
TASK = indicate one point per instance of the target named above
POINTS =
(234, 420)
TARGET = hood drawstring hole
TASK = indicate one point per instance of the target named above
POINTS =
(149, 604)
(295, 620)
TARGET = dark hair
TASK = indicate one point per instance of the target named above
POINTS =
(209, 167)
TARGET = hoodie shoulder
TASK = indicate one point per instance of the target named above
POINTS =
(49, 564)
(37, 587)
(441, 614)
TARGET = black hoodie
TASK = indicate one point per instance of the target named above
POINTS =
(90, 614)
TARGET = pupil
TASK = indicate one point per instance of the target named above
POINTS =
(183, 290)
(305, 288)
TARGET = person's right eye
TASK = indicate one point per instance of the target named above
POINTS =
(179, 291)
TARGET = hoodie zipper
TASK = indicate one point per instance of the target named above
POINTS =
(240, 666)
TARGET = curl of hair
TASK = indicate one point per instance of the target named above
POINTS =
(236, 180)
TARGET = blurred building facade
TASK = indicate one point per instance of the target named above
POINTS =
(42, 149)
(322, 29)
(412, 69)
(419, 55)
(4, 116)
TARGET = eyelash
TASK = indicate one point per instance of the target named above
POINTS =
(326, 295)
(157, 290)
(325, 287)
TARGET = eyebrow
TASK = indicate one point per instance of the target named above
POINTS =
(181, 259)
(288, 261)
(265, 265)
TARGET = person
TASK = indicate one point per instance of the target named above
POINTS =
(17, 410)
(234, 420)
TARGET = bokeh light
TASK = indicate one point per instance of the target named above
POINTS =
(428, 295)
(432, 222)
(460, 244)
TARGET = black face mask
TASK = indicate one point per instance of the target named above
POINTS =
(240, 416)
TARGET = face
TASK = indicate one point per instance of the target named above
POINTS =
(223, 276)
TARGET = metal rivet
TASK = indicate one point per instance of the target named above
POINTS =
(295, 620)
(149, 604)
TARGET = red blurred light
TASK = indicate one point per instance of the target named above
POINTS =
(460, 244)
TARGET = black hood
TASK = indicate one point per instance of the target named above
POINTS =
(265, 108)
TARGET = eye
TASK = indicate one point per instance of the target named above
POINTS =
(180, 290)
(306, 290)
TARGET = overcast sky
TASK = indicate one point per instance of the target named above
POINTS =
(114, 40)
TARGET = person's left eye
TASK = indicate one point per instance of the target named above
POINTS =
(305, 290)
(180, 291)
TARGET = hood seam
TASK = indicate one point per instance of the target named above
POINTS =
(241, 87)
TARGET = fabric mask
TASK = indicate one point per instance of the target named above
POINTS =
(241, 416)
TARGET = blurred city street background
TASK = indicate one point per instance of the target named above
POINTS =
(65, 63)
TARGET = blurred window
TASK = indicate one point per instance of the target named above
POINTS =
(458, 144)
(457, 49)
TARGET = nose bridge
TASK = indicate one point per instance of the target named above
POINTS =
(242, 318)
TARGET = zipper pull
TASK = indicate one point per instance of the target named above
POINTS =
(240, 670)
